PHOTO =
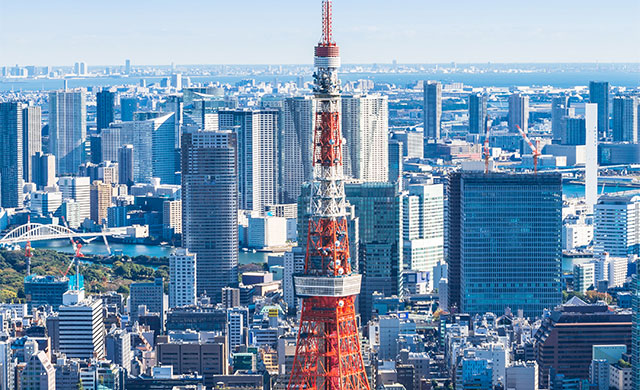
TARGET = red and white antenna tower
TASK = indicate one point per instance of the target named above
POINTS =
(328, 355)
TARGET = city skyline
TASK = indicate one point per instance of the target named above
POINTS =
(376, 32)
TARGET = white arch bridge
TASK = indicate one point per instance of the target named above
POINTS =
(39, 232)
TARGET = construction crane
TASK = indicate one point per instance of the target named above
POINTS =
(27, 249)
(535, 150)
(76, 260)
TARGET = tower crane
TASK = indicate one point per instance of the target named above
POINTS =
(76, 260)
(535, 150)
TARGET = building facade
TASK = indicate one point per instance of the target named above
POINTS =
(67, 129)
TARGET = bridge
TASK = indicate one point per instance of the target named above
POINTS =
(40, 232)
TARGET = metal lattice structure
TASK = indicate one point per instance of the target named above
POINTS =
(328, 354)
(39, 232)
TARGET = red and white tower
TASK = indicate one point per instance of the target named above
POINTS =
(328, 355)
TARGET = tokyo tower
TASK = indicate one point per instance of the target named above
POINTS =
(328, 355)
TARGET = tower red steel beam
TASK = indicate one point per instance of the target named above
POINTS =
(328, 355)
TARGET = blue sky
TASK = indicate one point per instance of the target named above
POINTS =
(103, 32)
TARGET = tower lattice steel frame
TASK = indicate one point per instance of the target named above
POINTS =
(328, 355)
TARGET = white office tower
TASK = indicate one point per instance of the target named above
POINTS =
(67, 129)
(293, 264)
(82, 330)
(365, 126)
(295, 155)
(617, 225)
(257, 134)
(591, 164)
(610, 269)
(182, 278)
(423, 228)
(78, 189)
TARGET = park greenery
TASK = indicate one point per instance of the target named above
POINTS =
(101, 274)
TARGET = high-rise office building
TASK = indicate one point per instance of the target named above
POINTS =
(210, 207)
(378, 206)
(44, 170)
(172, 215)
(125, 165)
(625, 119)
(82, 329)
(504, 242)
(432, 109)
(127, 66)
(574, 131)
(599, 94)
(395, 161)
(182, 278)
(128, 106)
(295, 156)
(559, 110)
(518, 112)
(67, 129)
(365, 127)
(617, 223)
(477, 113)
(11, 155)
(635, 331)
(412, 143)
(31, 139)
(257, 135)
(148, 294)
(105, 109)
(100, 195)
(78, 189)
(423, 227)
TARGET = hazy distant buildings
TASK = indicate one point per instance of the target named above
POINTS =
(432, 109)
(210, 207)
(105, 109)
(67, 129)
(11, 155)
(518, 112)
(599, 94)
(257, 135)
(504, 242)
(365, 121)
(31, 138)
(477, 113)
(625, 119)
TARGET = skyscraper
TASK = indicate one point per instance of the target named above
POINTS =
(11, 154)
(105, 109)
(518, 112)
(423, 227)
(395, 161)
(78, 189)
(504, 242)
(128, 106)
(477, 113)
(67, 129)
(559, 109)
(44, 170)
(591, 163)
(365, 120)
(617, 223)
(182, 278)
(432, 109)
(635, 331)
(257, 135)
(100, 195)
(295, 156)
(125, 165)
(625, 119)
(31, 138)
(82, 329)
(574, 131)
(599, 94)
(210, 208)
